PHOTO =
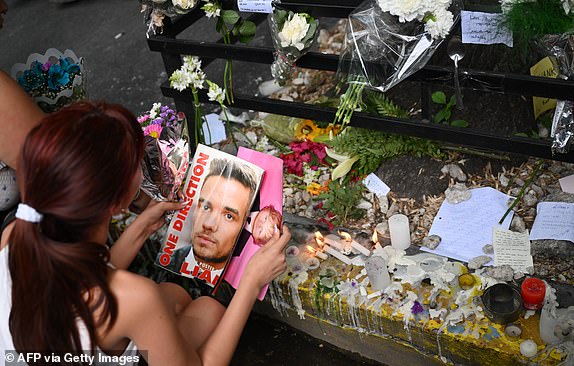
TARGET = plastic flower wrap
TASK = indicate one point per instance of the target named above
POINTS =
(560, 47)
(54, 79)
(166, 153)
(388, 40)
(155, 11)
(293, 35)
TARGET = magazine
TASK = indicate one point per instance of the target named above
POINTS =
(220, 189)
(266, 214)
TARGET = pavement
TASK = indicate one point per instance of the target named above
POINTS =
(110, 36)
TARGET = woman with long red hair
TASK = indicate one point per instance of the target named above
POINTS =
(66, 292)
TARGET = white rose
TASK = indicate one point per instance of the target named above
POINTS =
(184, 4)
(294, 30)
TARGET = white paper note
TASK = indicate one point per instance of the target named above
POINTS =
(484, 28)
(255, 6)
(567, 184)
(554, 220)
(375, 185)
(214, 129)
(467, 226)
(513, 249)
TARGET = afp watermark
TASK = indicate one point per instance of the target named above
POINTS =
(13, 358)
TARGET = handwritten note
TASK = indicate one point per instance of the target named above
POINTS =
(484, 28)
(375, 185)
(554, 220)
(467, 226)
(255, 6)
(544, 68)
(512, 249)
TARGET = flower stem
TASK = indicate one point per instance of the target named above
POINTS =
(228, 126)
(523, 189)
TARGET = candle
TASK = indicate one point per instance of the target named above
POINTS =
(377, 272)
(320, 239)
(317, 253)
(532, 292)
(400, 232)
(335, 253)
(353, 244)
(528, 348)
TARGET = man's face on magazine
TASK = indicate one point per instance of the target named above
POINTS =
(218, 219)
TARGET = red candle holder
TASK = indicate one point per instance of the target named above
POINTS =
(532, 292)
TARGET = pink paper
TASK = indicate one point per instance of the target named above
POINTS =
(270, 193)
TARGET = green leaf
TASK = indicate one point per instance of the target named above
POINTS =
(280, 17)
(441, 115)
(459, 123)
(310, 33)
(247, 31)
(521, 134)
(230, 17)
(219, 25)
(451, 103)
(439, 97)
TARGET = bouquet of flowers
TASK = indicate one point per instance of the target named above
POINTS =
(388, 40)
(155, 11)
(166, 153)
(293, 35)
(53, 79)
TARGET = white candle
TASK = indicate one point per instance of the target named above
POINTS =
(335, 253)
(400, 232)
(317, 253)
(360, 248)
(334, 243)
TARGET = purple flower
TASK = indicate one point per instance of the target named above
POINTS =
(46, 66)
(417, 308)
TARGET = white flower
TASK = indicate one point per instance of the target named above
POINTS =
(211, 9)
(191, 63)
(184, 4)
(154, 112)
(179, 80)
(215, 93)
(439, 24)
(294, 30)
(406, 10)
(197, 79)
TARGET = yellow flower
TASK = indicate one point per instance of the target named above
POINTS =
(314, 189)
(304, 128)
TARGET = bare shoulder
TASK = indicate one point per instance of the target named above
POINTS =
(133, 289)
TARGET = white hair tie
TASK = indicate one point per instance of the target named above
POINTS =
(27, 213)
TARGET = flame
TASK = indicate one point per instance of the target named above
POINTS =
(319, 239)
(346, 236)
(375, 237)
(311, 249)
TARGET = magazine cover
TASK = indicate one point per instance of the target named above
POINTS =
(220, 190)
(266, 214)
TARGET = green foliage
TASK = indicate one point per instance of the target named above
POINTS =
(531, 20)
(342, 199)
(373, 147)
(443, 116)
(230, 22)
(378, 103)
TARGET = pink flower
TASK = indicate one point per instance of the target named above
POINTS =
(153, 131)
(143, 119)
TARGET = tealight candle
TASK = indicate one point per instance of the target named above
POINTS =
(533, 291)
(400, 231)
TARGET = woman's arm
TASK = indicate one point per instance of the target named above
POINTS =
(148, 222)
(263, 267)
(18, 115)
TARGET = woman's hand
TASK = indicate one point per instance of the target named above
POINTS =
(269, 261)
(152, 217)
(148, 222)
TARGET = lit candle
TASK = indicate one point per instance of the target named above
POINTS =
(400, 232)
(348, 239)
(317, 253)
(326, 240)
(533, 291)
(335, 253)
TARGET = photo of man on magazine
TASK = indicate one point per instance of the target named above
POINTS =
(224, 202)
